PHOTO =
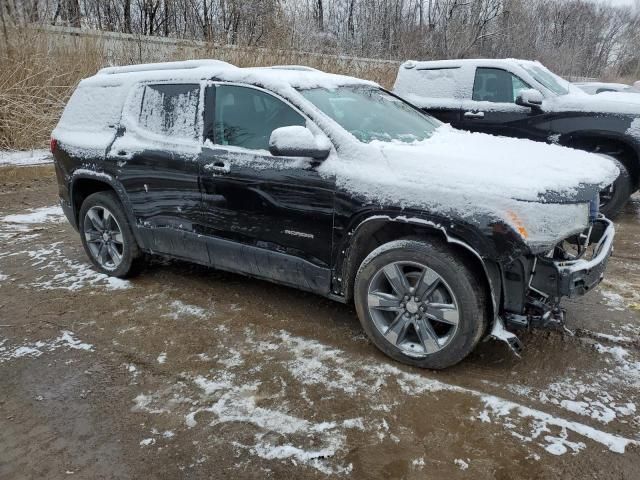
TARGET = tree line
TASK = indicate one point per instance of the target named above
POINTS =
(577, 37)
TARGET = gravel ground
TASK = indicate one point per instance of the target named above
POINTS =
(186, 372)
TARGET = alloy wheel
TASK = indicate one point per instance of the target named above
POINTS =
(104, 237)
(413, 308)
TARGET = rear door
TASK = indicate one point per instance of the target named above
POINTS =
(492, 108)
(155, 156)
(277, 211)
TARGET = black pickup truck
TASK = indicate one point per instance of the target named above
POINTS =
(523, 99)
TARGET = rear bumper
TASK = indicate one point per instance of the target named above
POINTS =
(573, 278)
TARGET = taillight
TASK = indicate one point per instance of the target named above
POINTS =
(53, 145)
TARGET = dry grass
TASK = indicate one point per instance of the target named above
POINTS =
(15, 174)
(39, 71)
(36, 79)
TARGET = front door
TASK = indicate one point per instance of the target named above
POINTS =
(493, 108)
(268, 216)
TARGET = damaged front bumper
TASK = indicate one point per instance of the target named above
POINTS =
(574, 277)
(534, 285)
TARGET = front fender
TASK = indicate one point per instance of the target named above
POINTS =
(454, 233)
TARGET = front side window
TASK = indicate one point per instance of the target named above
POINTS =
(369, 113)
(497, 85)
(170, 110)
(245, 117)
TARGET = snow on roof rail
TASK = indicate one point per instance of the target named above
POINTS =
(148, 67)
(301, 68)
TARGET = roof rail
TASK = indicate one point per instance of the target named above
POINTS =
(148, 67)
(301, 68)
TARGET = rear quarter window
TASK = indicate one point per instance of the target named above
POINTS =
(93, 108)
(170, 110)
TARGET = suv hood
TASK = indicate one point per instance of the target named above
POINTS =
(606, 102)
(472, 176)
(470, 165)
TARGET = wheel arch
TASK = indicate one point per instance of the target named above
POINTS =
(87, 183)
(375, 231)
(629, 153)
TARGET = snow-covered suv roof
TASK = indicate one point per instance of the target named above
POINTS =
(477, 62)
(275, 78)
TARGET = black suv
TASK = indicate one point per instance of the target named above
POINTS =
(523, 99)
(332, 185)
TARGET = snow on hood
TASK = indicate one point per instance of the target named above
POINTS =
(481, 164)
(466, 174)
(606, 102)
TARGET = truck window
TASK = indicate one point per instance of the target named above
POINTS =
(170, 110)
(245, 117)
(496, 85)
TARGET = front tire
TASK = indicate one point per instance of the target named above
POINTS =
(106, 235)
(420, 303)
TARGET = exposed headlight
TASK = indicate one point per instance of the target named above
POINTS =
(543, 225)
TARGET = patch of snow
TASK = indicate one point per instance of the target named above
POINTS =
(634, 129)
(418, 463)
(67, 274)
(613, 300)
(180, 310)
(210, 386)
(25, 158)
(147, 442)
(37, 215)
(66, 340)
(162, 358)
(461, 463)
(3, 277)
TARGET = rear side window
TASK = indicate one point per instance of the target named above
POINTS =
(245, 117)
(93, 108)
(429, 82)
(496, 85)
(170, 110)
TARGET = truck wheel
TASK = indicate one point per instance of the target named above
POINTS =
(420, 303)
(106, 235)
(614, 197)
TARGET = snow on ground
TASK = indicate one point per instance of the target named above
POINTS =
(65, 340)
(58, 270)
(36, 215)
(290, 432)
(25, 158)
(180, 310)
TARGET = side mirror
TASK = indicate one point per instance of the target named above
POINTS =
(529, 98)
(297, 141)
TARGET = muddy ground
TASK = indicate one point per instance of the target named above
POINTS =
(186, 372)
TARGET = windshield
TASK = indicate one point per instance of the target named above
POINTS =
(547, 78)
(369, 113)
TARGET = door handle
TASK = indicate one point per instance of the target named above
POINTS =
(473, 114)
(217, 167)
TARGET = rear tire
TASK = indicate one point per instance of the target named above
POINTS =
(445, 314)
(107, 237)
(614, 198)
